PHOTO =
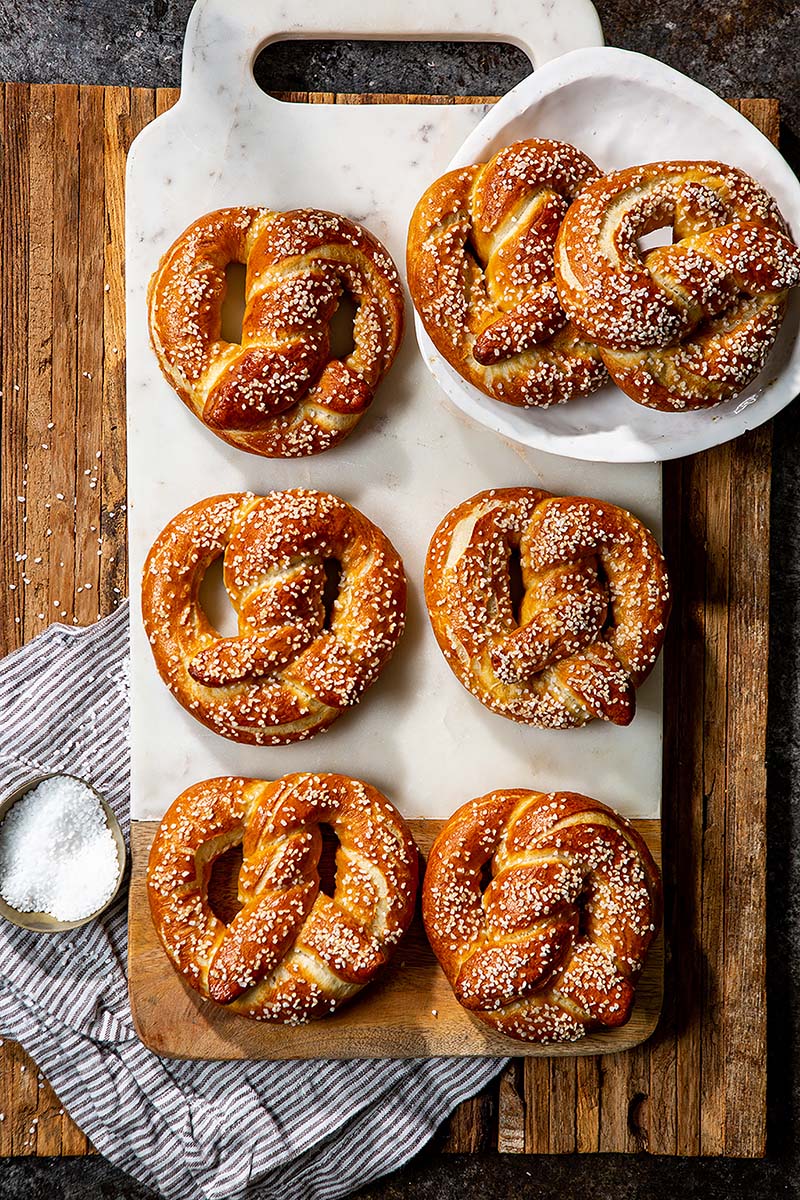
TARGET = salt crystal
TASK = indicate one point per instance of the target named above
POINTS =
(57, 853)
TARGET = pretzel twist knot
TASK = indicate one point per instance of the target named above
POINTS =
(687, 325)
(291, 953)
(285, 675)
(279, 393)
(480, 272)
(592, 618)
(551, 948)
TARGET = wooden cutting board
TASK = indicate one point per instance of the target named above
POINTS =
(699, 1085)
(409, 1012)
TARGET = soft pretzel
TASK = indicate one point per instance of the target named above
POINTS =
(593, 615)
(480, 272)
(550, 949)
(279, 393)
(688, 325)
(291, 953)
(286, 675)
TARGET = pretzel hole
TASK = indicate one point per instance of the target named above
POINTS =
(330, 590)
(327, 860)
(472, 249)
(516, 586)
(341, 331)
(582, 905)
(609, 621)
(215, 602)
(486, 876)
(664, 236)
(223, 885)
(233, 305)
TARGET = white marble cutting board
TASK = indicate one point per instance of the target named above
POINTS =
(417, 734)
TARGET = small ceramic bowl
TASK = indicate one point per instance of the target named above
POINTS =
(40, 922)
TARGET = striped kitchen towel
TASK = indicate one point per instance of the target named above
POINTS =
(283, 1130)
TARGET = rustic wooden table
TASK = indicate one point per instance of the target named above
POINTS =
(62, 541)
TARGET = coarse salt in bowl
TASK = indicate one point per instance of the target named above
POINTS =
(62, 854)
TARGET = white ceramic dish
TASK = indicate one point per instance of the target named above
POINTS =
(417, 734)
(622, 108)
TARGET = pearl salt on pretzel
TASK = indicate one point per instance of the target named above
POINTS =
(551, 948)
(292, 953)
(688, 325)
(480, 272)
(279, 393)
(592, 619)
(285, 676)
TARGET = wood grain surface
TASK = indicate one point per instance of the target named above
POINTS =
(699, 1085)
(409, 1012)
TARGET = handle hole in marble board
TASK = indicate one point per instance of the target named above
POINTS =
(291, 68)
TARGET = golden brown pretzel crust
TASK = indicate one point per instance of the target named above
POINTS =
(480, 272)
(285, 676)
(552, 947)
(291, 954)
(278, 393)
(592, 619)
(687, 325)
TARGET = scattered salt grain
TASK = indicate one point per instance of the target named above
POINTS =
(57, 854)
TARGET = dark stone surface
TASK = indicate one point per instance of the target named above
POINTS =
(745, 48)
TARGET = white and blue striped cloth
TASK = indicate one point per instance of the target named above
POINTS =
(269, 1129)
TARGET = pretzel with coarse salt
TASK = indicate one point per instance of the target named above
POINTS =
(550, 949)
(688, 325)
(291, 953)
(292, 668)
(279, 392)
(480, 272)
(592, 618)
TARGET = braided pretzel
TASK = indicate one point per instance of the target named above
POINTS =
(688, 325)
(285, 676)
(291, 954)
(592, 619)
(480, 272)
(279, 393)
(552, 947)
